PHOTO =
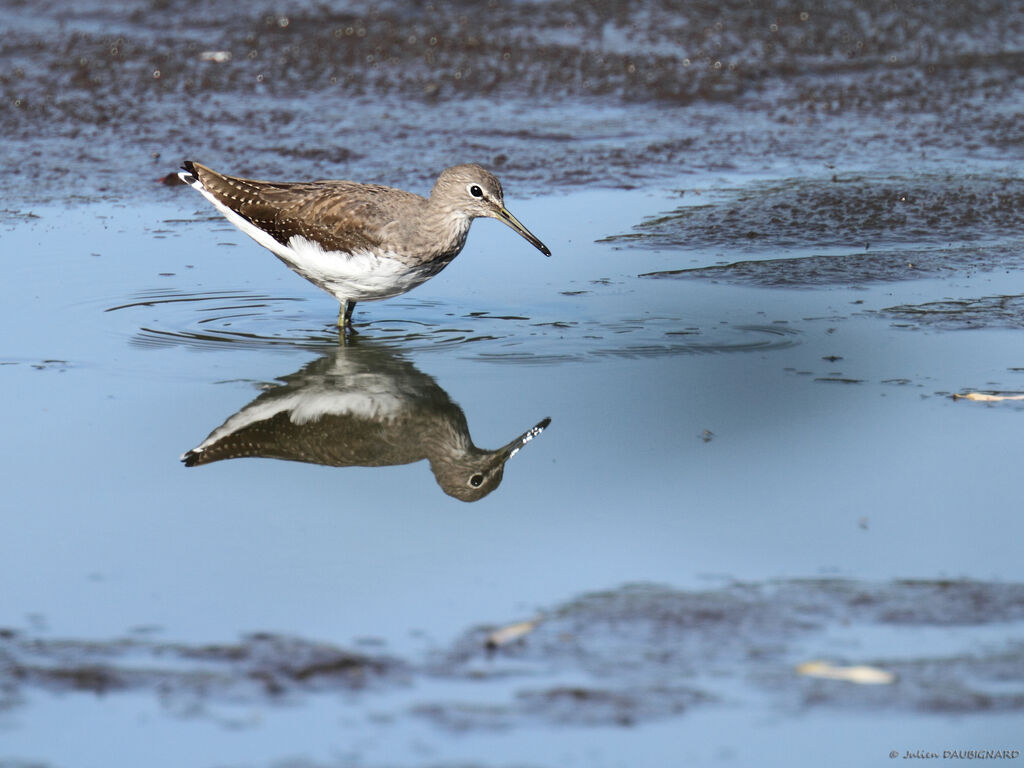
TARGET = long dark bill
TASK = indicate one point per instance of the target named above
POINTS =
(511, 449)
(513, 222)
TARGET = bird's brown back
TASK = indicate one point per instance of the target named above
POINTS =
(340, 215)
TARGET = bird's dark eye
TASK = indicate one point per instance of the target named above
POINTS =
(477, 479)
(475, 191)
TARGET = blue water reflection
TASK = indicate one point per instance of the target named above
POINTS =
(363, 405)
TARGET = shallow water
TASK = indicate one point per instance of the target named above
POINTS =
(769, 280)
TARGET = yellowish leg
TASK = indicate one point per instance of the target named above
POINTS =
(345, 313)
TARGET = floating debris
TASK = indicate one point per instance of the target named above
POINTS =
(511, 633)
(863, 675)
(217, 56)
(983, 397)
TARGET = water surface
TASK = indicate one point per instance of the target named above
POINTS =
(785, 241)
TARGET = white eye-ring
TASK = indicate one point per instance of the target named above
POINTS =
(475, 191)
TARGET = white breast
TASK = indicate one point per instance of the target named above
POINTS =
(356, 276)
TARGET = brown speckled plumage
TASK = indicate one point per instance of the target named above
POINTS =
(360, 242)
(361, 405)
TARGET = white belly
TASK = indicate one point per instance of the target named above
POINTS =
(357, 276)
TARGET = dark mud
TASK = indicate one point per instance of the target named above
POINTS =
(754, 634)
(897, 229)
(864, 267)
(962, 314)
(862, 212)
(100, 100)
(260, 666)
(634, 654)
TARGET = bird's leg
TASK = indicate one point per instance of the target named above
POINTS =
(345, 313)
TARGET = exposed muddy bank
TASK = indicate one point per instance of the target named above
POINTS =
(616, 658)
(99, 101)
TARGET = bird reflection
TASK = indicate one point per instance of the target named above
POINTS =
(362, 405)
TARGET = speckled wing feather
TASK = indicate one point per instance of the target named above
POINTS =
(334, 440)
(339, 215)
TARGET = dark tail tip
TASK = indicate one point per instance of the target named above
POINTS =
(193, 174)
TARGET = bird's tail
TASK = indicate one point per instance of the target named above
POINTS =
(189, 175)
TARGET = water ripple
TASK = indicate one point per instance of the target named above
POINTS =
(244, 320)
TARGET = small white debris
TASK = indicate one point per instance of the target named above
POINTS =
(981, 397)
(217, 56)
(862, 675)
(511, 632)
